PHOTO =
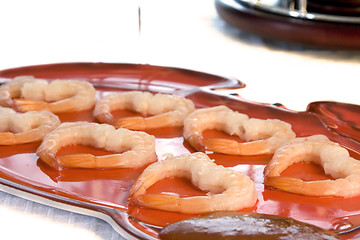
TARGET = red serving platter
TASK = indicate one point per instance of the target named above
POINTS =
(104, 192)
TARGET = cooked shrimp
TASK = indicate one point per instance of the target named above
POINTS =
(27, 93)
(168, 110)
(261, 136)
(318, 149)
(12, 89)
(228, 190)
(133, 149)
(19, 128)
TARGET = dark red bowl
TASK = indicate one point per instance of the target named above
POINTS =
(310, 32)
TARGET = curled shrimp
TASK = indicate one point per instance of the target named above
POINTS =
(12, 89)
(228, 190)
(27, 93)
(261, 136)
(318, 149)
(133, 149)
(19, 128)
(167, 110)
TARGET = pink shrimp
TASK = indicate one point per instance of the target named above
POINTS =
(261, 136)
(133, 149)
(19, 128)
(167, 110)
(229, 190)
(318, 149)
(27, 93)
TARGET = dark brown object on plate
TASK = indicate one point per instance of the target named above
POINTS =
(235, 225)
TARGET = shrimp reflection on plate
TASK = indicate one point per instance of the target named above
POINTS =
(26, 93)
(132, 149)
(19, 128)
(318, 149)
(167, 110)
(261, 136)
(228, 190)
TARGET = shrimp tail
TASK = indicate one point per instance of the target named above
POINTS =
(165, 202)
(196, 141)
(222, 145)
(141, 184)
(296, 185)
(284, 183)
(6, 102)
(228, 146)
(105, 117)
(49, 157)
(137, 188)
(77, 160)
(131, 123)
(7, 138)
(174, 203)
(25, 105)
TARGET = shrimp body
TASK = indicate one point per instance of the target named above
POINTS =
(334, 159)
(132, 149)
(228, 190)
(261, 136)
(19, 128)
(167, 110)
(27, 93)
(12, 89)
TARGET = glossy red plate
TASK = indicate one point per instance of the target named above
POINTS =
(103, 193)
